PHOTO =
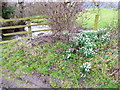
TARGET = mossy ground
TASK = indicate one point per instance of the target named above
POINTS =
(48, 59)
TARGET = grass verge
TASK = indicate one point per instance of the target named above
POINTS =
(48, 59)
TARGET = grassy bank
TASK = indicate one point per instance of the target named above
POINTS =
(20, 57)
(107, 18)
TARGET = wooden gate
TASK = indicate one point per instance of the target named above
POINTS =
(28, 19)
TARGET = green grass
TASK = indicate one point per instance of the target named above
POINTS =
(107, 18)
(48, 60)
(39, 20)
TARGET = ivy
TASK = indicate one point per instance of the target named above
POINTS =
(6, 13)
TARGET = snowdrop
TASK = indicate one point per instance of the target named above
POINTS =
(88, 41)
(85, 68)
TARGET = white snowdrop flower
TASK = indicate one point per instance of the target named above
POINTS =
(68, 55)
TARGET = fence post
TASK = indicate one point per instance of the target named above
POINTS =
(96, 22)
(97, 15)
(29, 27)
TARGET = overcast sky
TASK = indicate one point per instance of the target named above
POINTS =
(59, 0)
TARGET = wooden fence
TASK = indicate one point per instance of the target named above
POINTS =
(28, 19)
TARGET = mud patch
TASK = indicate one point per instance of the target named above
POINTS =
(36, 80)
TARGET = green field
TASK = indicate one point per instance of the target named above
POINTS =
(107, 18)
(39, 20)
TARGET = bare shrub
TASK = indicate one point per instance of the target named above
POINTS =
(61, 14)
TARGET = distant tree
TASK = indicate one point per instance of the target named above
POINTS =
(20, 12)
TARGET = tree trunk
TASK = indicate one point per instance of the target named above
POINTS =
(20, 14)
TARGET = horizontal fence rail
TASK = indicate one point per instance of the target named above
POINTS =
(24, 32)
(7, 41)
(28, 19)
(20, 26)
